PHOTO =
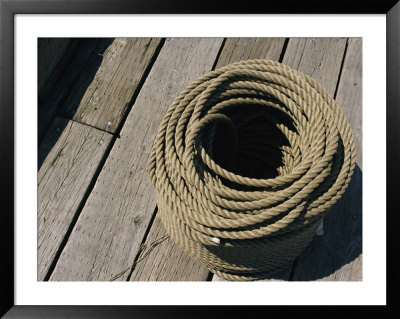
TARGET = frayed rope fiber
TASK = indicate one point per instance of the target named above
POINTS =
(247, 161)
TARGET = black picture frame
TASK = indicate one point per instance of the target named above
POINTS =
(8, 10)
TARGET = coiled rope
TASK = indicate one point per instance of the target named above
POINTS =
(247, 161)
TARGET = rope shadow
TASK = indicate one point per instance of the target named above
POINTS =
(341, 242)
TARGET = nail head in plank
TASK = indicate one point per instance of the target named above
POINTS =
(63, 179)
(114, 220)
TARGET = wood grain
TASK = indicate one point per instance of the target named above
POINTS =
(319, 58)
(118, 211)
(102, 96)
(238, 49)
(114, 220)
(170, 263)
(349, 94)
(337, 255)
(62, 181)
(167, 262)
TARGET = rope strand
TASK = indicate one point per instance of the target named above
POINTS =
(141, 248)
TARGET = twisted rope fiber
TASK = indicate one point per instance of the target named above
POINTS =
(247, 161)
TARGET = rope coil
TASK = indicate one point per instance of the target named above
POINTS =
(247, 161)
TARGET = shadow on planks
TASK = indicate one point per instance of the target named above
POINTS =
(341, 243)
(71, 84)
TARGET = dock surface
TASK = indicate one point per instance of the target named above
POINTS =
(100, 104)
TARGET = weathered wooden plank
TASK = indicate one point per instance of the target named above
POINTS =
(62, 181)
(57, 128)
(349, 94)
(53, 56)
(114, 220)
(175, 264)
(237, 49)
(48, 107)
(315, 57)
(102, 97)
(337, 255)
(319, 58)
(352, 271)
(167, 262)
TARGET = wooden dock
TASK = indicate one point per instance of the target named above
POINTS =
(100, 104)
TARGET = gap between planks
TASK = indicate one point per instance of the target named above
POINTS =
(113, 221)
(52, 249)
(48, 107)
(70, 166)
(168, 262)
(339, 250)
(320, 58)
(103, 93)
